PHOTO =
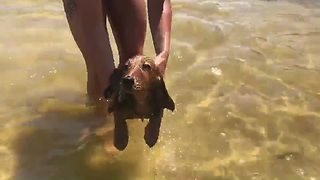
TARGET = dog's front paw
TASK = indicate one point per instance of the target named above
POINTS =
(121, 137)
(151, 133)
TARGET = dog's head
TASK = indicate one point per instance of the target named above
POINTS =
(138, 81)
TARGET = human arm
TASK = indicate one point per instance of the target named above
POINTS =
(160, 17)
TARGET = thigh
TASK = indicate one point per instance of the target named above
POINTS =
(128, 23)
(87, 22)
(85, 18)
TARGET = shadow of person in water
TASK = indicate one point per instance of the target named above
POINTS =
(68, 142)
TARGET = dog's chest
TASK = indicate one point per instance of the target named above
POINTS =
(143, 109)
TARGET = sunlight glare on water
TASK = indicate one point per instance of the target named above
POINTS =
(244, 75)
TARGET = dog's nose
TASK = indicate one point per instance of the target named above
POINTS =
(128, 81)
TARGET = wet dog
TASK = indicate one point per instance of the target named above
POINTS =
(137, 91)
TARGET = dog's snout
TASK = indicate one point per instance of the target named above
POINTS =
(128, 81)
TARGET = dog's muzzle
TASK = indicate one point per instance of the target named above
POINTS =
(128, 82)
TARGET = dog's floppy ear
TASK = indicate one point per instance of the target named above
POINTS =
(162, 95)
(114, 81)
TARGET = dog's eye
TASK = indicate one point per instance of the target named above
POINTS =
(146, 67)
(126, 67)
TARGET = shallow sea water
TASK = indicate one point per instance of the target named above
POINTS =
(244, 75)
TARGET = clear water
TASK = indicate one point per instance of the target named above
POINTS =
(244, 75)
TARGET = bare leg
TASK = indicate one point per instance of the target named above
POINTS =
(87, 21)
(128, 22)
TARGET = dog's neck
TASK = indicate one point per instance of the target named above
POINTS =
(142, 103)
(140, 98)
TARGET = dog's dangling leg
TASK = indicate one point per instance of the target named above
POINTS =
(151, 131)
(121, 137)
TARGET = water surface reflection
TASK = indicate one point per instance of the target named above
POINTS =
(244, 75)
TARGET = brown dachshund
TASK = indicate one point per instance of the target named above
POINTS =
(137, 90)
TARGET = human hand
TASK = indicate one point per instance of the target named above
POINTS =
(161, 61)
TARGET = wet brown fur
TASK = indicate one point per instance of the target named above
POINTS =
(146, 100)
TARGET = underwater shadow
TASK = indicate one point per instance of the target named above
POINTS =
(68, 143)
